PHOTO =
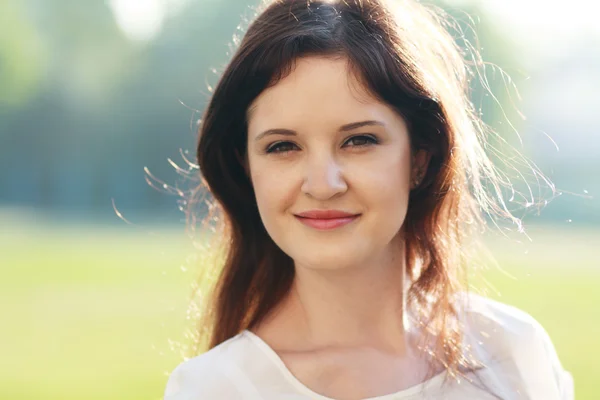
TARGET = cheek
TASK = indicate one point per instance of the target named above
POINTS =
(384, 189)
(387, 178)
(273, 189)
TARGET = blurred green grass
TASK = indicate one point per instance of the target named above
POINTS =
(95, 312)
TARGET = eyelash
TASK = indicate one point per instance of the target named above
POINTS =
(371, 140)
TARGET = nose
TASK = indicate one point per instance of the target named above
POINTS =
(323, 178)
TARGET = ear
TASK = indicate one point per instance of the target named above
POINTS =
(419, 163)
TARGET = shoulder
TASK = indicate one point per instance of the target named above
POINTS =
(485, 313)
(503, 329)
(204, 376)
(510, 340)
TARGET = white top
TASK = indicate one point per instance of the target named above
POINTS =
(520, 359)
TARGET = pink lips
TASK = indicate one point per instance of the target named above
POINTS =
(326, 219)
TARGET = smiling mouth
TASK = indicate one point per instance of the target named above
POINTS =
(327, 223)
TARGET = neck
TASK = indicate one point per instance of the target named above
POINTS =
(351, 306)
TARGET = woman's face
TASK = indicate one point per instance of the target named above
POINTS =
(318, 141)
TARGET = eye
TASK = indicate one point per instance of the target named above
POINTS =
(362, 140)
(280, 147)
(356, 141)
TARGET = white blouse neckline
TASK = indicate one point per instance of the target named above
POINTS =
(436, 380)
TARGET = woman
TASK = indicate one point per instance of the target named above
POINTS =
(348, 166)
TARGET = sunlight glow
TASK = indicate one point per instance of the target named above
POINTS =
(541, 30)
(532, 19)
(542, 17)
(142, 20)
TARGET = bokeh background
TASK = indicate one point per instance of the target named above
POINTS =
(99, 101)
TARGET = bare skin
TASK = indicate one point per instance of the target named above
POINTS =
(344, 330)
(343, 368)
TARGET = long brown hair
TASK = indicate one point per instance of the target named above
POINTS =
(406, 58)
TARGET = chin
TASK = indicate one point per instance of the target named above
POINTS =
(332, 260)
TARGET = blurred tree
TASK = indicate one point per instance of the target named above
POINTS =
(22, 54)
(87, 108)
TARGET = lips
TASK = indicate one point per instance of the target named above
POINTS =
(326, 219)
(325, 214)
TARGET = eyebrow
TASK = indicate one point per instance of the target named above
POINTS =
(343, 128)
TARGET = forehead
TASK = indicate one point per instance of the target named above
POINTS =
(317, 91)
